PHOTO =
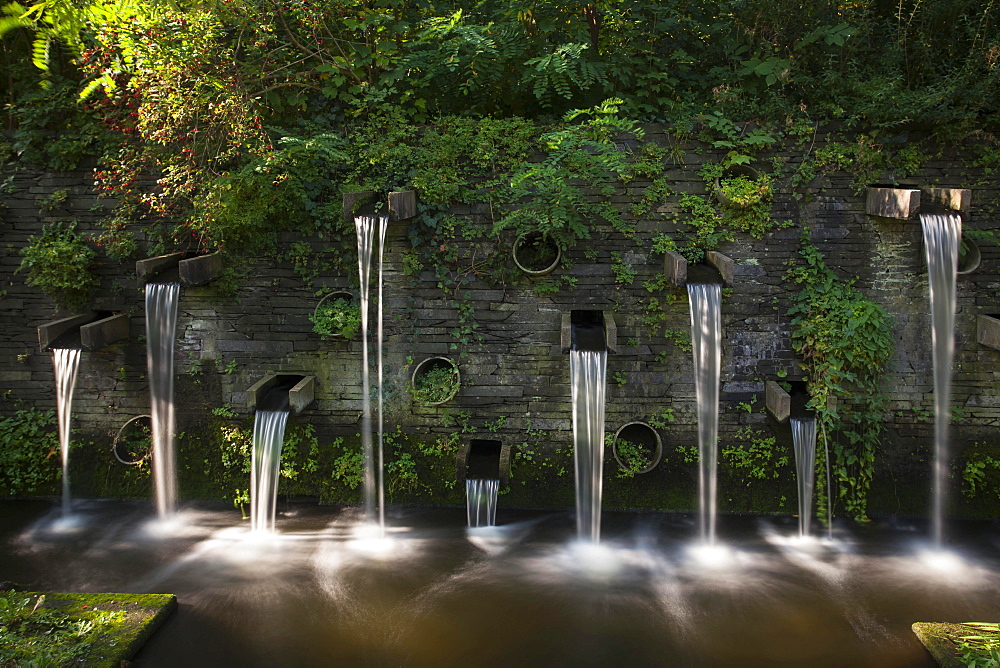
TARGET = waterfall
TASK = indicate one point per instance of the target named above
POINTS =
(161, 325)
(373, 476)
(942, 235)
(481, 501)
(587, 373)
(804, 445)
(65, 361)
(706, 337)
(268, 436)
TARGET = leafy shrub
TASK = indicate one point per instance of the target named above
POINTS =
(338, 317)
(61, 264)
(633, 457)
(29, 453)
(435, 385)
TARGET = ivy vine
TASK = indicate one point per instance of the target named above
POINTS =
(845, 343)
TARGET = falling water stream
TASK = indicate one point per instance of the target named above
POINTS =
(373, 481)
(804, 445)
(481, 501)
(161, 326)
(268, 435)
(587, 373)
(66, 361)
(942, 234)
(706, 337)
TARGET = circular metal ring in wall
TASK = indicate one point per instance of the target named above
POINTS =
(122, 446)
(969, 256)
(435, 381)
(644, 437)
(332, 297)
(545, 248)
(732, 171)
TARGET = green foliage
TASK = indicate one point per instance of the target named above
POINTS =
(29, 453)
(981, 647)
(981, 471)
(36, 635)
(529, 464)
(662, 417)
(755, 455)
(437, 384)
(633, 457)
(845, 343)
(548, 197)
(61, 264)
(53, 129)
(624, 273)
(337, 318)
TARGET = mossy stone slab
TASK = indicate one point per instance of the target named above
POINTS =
(941, 640)
(144, 614)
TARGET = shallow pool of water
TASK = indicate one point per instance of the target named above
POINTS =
(323, 592)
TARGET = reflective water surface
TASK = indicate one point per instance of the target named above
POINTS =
(325, 590)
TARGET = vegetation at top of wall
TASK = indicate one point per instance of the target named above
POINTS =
(61, 263)
(236, 122)
(845, 343)
(29, 453)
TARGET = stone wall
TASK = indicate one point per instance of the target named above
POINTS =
(513, 366)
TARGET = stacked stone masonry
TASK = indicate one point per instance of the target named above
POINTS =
(515, 369)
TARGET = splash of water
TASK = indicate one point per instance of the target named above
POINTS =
(804, 445)
(706, 337)
(373, 482)
(161, 326)
(942, 234)
(587, 373)
(65, 362)
(481, 501)
(268, 436)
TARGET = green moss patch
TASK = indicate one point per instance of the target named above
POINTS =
(949, 645)
(87, 629)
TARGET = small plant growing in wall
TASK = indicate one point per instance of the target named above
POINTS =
(633, 457)
(337, 318)
(61, 264)
(435, 381)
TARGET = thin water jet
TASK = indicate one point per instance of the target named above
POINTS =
(942, 234)
(65, 361)
(804, 446)
(161, 326)
(481, 501)
(706, 337)
(587, 372)
(268, 437)
(374, 503)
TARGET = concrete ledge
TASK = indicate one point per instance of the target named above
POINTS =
(566, 331)
(147, 269)
(951, 199)
(941, 640)
(902, 203)
(50, 331)
(257, 391)
(402, 204)
(988, 331)
(778, 402)
(200, 270)
(104, 332)
(675, 268)
(141, 614)
(302, 394)
(353, 202)
(724, 265)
